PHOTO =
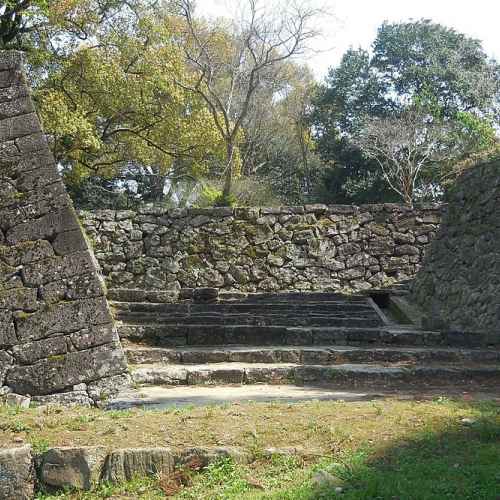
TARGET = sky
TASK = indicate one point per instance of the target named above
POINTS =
(355, 22)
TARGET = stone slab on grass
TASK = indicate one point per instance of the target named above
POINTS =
(17, 477)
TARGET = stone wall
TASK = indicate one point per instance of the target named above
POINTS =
(459, 285)
(56, 331)
(315, 247)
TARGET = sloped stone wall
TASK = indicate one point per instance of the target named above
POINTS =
(56, 331)
(459, 284)
(314, 247)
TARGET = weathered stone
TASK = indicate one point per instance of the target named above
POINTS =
(69, 242)
(93, 336)
(45, 227)
(72, 468)
(75, 397)
(124, 465)
(257, 249)
(24, 299)
(29, 353)
(105, 388)
(17, 475)
(60, 372)
(62, 318)
(459, 284)
(17, 400)
(26, 253)
(57, 268)
(7, 330)
(83, 286)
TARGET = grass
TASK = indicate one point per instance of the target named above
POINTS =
(389, 449)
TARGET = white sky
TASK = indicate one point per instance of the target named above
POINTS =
(355, 22)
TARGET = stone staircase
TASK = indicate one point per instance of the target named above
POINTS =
(296, 338)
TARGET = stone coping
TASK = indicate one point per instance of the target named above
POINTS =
(254, 212)
(24, 472)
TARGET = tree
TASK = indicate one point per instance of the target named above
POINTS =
(404, 145)
(149, 133)
(277, 146)
(233, 60)
(410, 61)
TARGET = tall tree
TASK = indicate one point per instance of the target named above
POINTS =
(233, 60)
(410, 62)
(113, 109)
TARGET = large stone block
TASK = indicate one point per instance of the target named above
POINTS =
(19, 299)
(7, 330)
(17, 477)
(72, 468)
(57, 268)
(61, 318)
(61, 372)
(29, 353)
(26, 252)
(123, 465)
(39, 216)
(18, 126)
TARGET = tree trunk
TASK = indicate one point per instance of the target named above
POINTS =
(228, 181)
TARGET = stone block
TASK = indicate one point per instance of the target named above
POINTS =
(123, 465)
(17, 400)
(21, 299)
(59, 372)
(69, 242)
(68, 399)
(72, 468)
(29, 353)
(17, 474)
(9, 79)
(93, 336)
(44, 228)
(26, 252)
(63, 317)
(58, 268)
(5, 363)
(78, 287)
(21, 105)
(18, 126)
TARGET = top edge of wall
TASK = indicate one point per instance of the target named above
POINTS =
(318, 209)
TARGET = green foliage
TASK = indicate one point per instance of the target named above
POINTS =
(247, 191)
(422, 64)
(208, 196)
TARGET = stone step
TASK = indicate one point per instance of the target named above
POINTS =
(335, 375)
(242, 307)
(199, 335)
(362, 320)
(319, 355)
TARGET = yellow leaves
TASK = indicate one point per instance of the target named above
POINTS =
(118, 102)
(70, 125)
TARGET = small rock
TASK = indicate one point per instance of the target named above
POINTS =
(325, 479)
(4, 390)
(18, 400)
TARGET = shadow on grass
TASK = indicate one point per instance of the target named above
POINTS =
(461, 461)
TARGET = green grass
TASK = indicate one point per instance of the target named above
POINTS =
(394, 450)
